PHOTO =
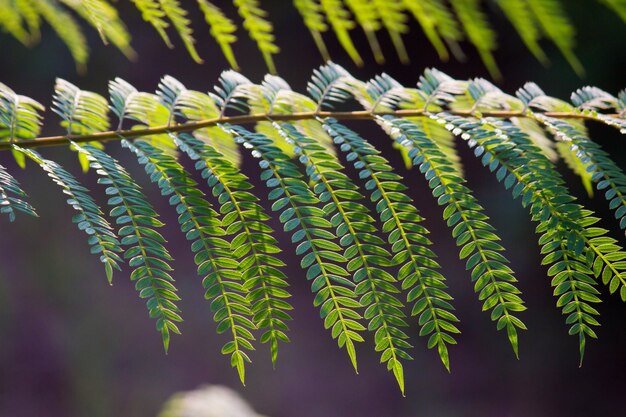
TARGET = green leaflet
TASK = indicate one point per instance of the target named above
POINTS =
(560, 220)
(12, 197)
(364, 250)
(494, 280)
(181, 23)
(29, 14)
(66, 28)
(386, 94)
(567, 155)
(591, 101)
(607, 175)
(102, 239)
(394, 20)
(557, 27)
(82, 112)
(276, 97)
(222, 29)
(430, 15)
(104, 17)
(259, 29)
(534, 97)
(252, 244)
(608, 255)
(196, 106)
(340, 21)
(605, 256)
(320, 255)
(20, 119)
(201, 225)
(519, 14)
(152, 13)
(444, 23)
(479, 32)
(368, 17)
(311, 13)
(143, 245)
(418, 275)
(11, 21)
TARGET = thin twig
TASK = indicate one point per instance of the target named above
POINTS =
(253, 118)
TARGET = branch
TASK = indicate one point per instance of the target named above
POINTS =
(253, 118)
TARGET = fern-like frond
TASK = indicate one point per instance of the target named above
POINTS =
(84, 112)
(12, 197)
(181, 23)
(426, 16)
(202, 227)
(276, 97)
(610, 179)
(521, 17)
(521, 167)
(245, 220)
(598, 164)
(592, 98)
(565, 153)
(104, 17)
(330, 84)
(341, 22)
(196, 106)
(394, 20)
(365, 251)
(619, 6)
(66, 28)
(401, 223)
(29, 14)
(321, 257)
(445, 24)
(222, 29)
(558, 28)
(368, 17)
(602, 252)
(152, 13)
(534, 97)
(81, 111)
(102, 240)
(144, 248)
(388, 92)
(352, 268)
(199, 222)
(11, 21)
(232, 92)
(479, 32)
(336, 190)
(20, 119)
(576, 222)
(494, 280)
(259, 29)
(590, 101)
(311, 13)
(252, 244)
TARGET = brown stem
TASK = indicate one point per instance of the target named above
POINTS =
(253, 118)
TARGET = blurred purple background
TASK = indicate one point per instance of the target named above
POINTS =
(73, 346)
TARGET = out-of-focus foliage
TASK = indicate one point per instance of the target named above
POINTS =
(444, 23)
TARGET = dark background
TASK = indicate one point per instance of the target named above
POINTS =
(73, 346)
